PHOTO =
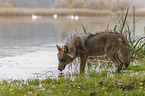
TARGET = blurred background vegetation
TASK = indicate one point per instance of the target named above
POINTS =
(113, 5)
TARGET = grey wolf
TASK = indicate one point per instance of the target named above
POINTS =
(112, 44)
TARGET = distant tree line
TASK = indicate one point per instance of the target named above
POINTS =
(27, 3)
(114, 5)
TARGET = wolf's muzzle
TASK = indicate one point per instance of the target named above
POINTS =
(61, 68)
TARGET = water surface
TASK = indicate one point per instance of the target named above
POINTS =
(27, 47)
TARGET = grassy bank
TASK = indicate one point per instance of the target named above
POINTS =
(130, 83)
(60, 12)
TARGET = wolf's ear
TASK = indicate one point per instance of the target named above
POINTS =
(59, 48)
(66, 49)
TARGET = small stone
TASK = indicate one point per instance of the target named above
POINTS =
(93, 94)
(129, 87)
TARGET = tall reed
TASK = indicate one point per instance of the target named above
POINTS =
(136, 44)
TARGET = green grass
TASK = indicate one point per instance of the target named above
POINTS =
(138, 66)
(125, 83)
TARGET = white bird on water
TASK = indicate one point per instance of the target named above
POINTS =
(74, 17)
(55, 16)
(34, 17)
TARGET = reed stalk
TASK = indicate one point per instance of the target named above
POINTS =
(133, 20)
(124, 21)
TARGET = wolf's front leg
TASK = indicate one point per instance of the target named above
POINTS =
(83, 60)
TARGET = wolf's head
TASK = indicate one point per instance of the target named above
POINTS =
(64, 56)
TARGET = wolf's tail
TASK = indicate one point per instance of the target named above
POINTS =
(125, 54)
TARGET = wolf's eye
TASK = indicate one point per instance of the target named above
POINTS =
(63, 60)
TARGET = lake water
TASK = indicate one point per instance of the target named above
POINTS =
(28, 47)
